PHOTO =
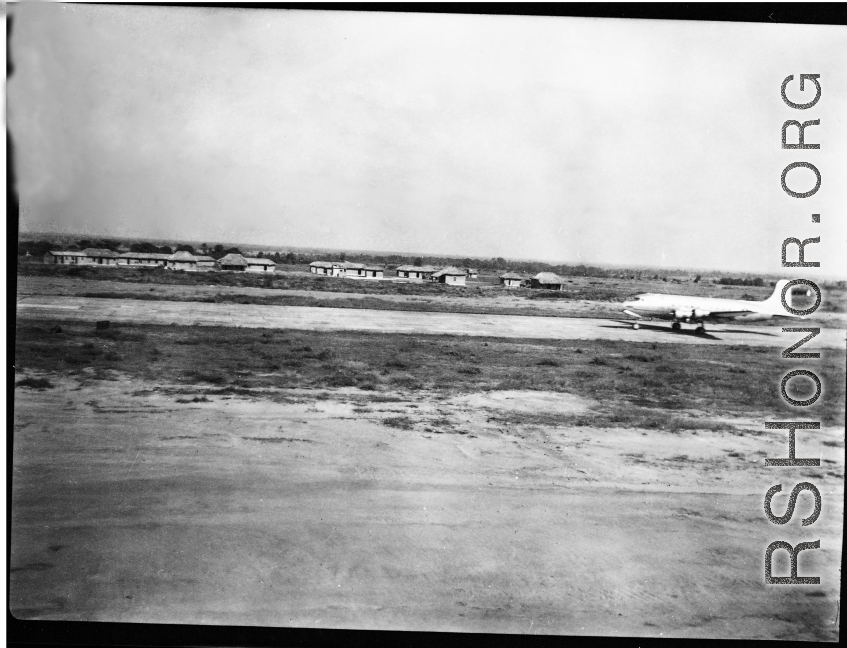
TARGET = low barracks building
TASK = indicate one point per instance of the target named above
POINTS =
(353, 269)
(362, 271)
(347, 269)
(64, 258)
(143, 259)
(259, 265)
(326, 268)
(451, 276)
(415, 272)
(511, 280)
(181, 260)
(88, 256)
(100, 256)
(239, 263)
(204, 262)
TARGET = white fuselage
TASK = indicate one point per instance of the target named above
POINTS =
(686, 308)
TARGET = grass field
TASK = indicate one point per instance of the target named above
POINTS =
(639, 384)
(174, 474)
(201, 474)
(298, 278)
(585, 297)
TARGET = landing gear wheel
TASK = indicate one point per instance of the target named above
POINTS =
(700, 330)
(636, 326)
(676, 326)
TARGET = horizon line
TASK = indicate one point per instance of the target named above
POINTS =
(605, 265)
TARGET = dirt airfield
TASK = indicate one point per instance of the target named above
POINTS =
(92, 309)
(605, 482)
(587, 298)
(129, 505)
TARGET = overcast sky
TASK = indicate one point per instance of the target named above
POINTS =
(568, 140)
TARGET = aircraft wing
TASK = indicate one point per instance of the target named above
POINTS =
(726, 314)
(729, 314)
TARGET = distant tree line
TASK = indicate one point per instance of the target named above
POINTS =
(737, 281)
(35, 248)
(42, 247)
(493, 265)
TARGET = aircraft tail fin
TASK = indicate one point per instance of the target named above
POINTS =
(774, 302)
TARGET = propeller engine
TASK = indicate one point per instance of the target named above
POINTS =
(688, 314)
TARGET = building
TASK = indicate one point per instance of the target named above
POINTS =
(143, 259)
(234, 262)
(64, 258)
(452, 276)
(353, 269)
(362, 271)
(99, 256)
(256, 264)
(415, 272)
(473, 273)
(548, 281)
(326, 268)
(511, 280)
(88, 256)
(204, 262)
(182, 261)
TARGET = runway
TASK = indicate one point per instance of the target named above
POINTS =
(66, 308)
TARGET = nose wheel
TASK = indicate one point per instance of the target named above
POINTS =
(700, 330)
(676, 326)
(636, 326)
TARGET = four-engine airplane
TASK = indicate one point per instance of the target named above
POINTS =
(698, 310)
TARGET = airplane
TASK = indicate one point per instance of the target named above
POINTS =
(698, 310)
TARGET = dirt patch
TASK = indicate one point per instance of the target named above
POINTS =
(301, 512)
(528, 401)
(276, 439)
(221, 361)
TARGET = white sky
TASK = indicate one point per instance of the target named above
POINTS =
(568, 140)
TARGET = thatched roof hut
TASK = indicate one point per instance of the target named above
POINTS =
(232, 261)
(548, 280)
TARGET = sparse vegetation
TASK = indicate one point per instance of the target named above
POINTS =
(634, 379)
(640, 358)
(582, 298)
(400, 422)
(196, 399)
(35, 383)
(741, 281)
(276, 439)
